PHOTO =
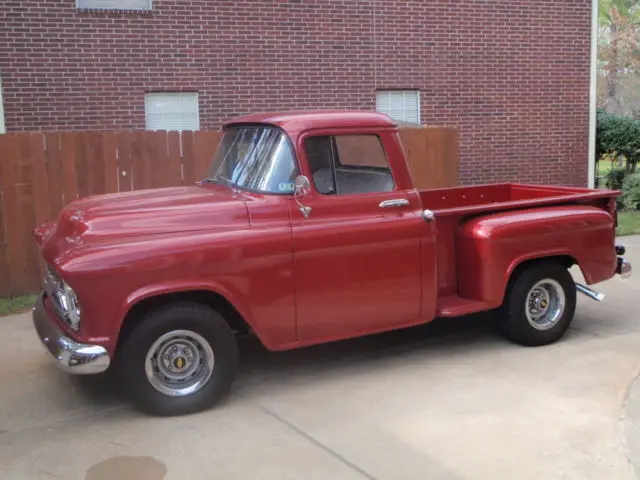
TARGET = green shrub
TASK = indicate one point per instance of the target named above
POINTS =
(631, 192)
(614, 178)
(618, 136)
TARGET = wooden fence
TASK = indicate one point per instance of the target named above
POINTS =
(41, 172)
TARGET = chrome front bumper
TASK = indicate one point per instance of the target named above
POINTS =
(71, 356)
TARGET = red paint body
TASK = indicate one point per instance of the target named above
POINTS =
(349, 269)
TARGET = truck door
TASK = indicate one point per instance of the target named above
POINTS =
(357, 256)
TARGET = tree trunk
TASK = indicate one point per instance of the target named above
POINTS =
(612, 78)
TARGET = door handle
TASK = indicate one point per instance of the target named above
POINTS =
(398, 202)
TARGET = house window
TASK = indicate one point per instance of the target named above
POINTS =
(400, 105)
(114, 4)
(172, 111)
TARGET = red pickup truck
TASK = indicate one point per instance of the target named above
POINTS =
(306, 229)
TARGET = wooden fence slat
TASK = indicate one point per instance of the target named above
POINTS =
(110, 166)
(450, 155)
(94, 161)
(188, 158)
(12, 215)
(5, 205)
(5, 278)
(125, 183)
(139, 160)
(39, 179)
(175, 159)
(41, 201)
(26, 199)
(68, 157)
(54, 174)
(206, 143)
(149, 155)
(83, 170)
(159, 165)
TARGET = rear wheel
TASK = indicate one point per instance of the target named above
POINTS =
(539, 305)
(178, 359)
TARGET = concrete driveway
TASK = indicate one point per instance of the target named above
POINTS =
(449, 401)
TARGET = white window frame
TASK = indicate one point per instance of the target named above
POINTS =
(114, 5)
(148, 108)
(403, 92)
(3, 128)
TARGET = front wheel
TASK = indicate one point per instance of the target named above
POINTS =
(178, 359)
(540, 304)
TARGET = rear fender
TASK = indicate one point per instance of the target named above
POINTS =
(490, 248)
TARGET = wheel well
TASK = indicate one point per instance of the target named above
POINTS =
(566, 261)
(217, 302)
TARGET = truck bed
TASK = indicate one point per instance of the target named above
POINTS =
(504, 196)
(453, 205)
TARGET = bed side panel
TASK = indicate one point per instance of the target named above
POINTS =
(492, 246)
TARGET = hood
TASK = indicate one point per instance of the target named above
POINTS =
(148, 212)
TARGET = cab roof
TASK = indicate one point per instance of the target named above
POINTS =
(297, 121)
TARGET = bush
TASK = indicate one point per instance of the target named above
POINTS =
(631, 192)
(614, 179)
(618, 136)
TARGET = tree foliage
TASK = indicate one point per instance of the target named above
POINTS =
(631, 192)
(619, 55)
(618, 136)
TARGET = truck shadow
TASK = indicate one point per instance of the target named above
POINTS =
(260, 366)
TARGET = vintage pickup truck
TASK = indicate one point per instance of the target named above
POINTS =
(306, 229)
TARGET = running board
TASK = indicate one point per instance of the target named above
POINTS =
(592, 294)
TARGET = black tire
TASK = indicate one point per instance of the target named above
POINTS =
(514, 322)
(194, 317)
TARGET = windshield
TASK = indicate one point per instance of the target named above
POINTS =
(257, 158)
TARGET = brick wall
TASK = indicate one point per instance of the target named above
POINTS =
(513, 75)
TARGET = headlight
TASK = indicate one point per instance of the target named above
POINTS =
(71, 306)
(65, 299)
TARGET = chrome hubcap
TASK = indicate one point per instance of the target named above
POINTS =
(179, 363)
(545, 304)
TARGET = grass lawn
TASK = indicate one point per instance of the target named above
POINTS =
(603, 167)
(9, 306)
(628, 223)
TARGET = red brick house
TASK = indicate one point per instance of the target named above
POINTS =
(512, 75)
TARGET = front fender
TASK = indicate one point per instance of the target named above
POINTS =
(234, 297)
(491, 247)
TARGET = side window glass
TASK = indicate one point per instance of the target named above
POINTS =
(361, 165)
(319, 152)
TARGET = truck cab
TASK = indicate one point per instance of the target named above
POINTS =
(306, 229)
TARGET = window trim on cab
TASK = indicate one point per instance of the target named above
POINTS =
(336, 163)
(290, 143)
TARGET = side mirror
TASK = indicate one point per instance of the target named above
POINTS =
(302, 186)
(302, 189)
